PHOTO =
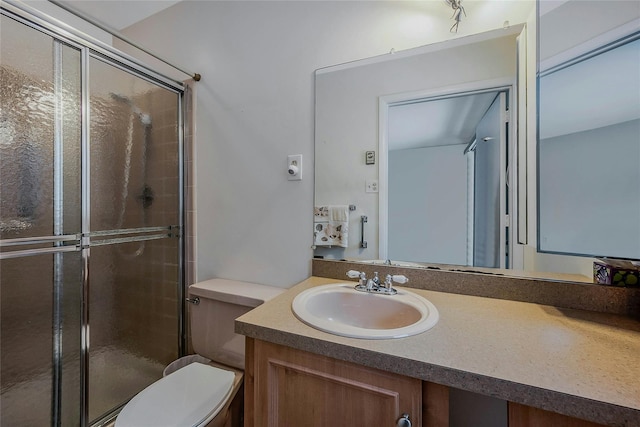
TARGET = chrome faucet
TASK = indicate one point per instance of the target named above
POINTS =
(362, 277)
(374, 285)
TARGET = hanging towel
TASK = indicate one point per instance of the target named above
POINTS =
(331, 225)
(321, 226)
(339, 225)
(321, 234)
(321, 214)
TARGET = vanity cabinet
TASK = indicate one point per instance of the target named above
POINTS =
(288, 387)
(526, 416)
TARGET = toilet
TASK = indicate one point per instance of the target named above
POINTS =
(203, 392)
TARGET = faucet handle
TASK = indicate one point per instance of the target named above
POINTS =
(399, 278)
(354, 274)
(388, 281)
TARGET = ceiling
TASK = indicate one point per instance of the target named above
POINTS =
(453, 120)
(439, 122)
(120, 14)
(601, 91)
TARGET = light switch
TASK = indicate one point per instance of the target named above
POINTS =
(371, 186)
(294, 167)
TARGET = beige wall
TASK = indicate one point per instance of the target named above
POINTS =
(255, 105)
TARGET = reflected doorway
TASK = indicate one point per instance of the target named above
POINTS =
(444, 178)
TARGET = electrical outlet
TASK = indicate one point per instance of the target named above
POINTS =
(371, 186)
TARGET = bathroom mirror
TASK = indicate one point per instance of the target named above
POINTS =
(418, 142)
(589, 132)
(350, 163)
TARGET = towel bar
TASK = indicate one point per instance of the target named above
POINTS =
(363, 220)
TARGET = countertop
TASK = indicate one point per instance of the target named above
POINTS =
(578, 363)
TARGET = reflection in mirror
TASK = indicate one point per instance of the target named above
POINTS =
(445, 197)
(435, 186)
(589, 144)
(349, 124)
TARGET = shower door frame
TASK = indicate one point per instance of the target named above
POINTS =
(90, 47)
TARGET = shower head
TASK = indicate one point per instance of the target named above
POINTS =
(145, 118)
(121, 98)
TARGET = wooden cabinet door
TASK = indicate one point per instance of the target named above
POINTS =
(285, 387)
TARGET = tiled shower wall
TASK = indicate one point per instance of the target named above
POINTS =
(146, 272)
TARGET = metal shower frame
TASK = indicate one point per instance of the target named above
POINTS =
(90, 47)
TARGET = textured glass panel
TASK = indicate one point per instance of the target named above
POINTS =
(133, 317)
(70, 318)
(134, 151)
(70, 133)
(26, 328)
(134, 175)
(36, 87)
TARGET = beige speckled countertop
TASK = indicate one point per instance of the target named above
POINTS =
(578, 363)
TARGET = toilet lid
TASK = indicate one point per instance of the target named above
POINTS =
(186, 397)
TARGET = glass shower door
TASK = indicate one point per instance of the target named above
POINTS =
(135, 250)
(90, 228)
(40, 224)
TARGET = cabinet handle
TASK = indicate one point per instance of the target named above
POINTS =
(404, 421)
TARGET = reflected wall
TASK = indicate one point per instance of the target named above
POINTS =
(347, 119)
(589, 122)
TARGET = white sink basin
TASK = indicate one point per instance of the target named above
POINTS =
(341, 310)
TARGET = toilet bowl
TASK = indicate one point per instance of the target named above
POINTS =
(191, 396)
(203, 393)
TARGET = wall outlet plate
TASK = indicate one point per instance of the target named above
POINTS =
(371, 186)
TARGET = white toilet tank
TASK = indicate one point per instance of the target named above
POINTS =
(212, 319)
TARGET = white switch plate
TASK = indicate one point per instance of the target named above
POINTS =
(371, 186)
(295, 160)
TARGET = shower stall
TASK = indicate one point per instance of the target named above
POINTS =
(91, 225)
